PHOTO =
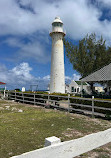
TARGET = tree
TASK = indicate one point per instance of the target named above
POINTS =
(89, 55)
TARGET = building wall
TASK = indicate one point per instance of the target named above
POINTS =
(99, 89)
(77, 88)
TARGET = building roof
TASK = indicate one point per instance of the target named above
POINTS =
(103, 74)
(2, 83)
(79, 83)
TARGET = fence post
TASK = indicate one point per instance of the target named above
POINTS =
(68, 103)
(52, 141)
(4, 93)
(34, 98)
(81, 89)
(54, 103)
(48, 98)
(92, 106)
(47, 101)
(15, 95)
(8, 95)
(23, 96)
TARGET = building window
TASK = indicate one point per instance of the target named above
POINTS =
(77, 90)
(72, 89)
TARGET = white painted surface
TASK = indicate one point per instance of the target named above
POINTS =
(52, 141)
(77, 87)
(4, 94)
(57, 82)
(23, 89)
(99, 89)
(70, 149)
(57, 19)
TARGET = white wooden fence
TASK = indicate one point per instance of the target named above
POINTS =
(71, 104)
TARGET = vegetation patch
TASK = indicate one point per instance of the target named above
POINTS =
(24, 127)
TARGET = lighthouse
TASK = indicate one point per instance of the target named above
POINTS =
(57, 78)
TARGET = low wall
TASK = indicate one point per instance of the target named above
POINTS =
(70, 149)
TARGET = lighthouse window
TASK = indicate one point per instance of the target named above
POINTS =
(54, 24)
(57, 24)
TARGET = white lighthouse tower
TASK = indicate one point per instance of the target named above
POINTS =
(57, 82)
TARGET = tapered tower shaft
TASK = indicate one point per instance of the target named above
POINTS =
(57, 81)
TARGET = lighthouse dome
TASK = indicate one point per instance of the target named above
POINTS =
(57, 20)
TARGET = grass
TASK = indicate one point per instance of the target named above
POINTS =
(24, 127)
(101, 152)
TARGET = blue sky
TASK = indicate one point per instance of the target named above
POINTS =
(25, 44)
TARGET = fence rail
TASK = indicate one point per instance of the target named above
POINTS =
(71, 104)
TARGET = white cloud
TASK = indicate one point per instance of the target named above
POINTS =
(67, 78)
(79, 17)
(46, 77)
(76, 77)
(33, 49)
(22, 72)
(20, 76)
(13, 42)
(32, 19)
(2, 68)
(19, 21)
(105, 3)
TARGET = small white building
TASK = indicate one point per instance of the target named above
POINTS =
(99, 89)
(23, 89)
(76, 87)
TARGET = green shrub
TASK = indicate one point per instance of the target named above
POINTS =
(60, 94)
(89, 102)
(108, 116)
(55, 96)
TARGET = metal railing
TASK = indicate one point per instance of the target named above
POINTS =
(57, 30)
